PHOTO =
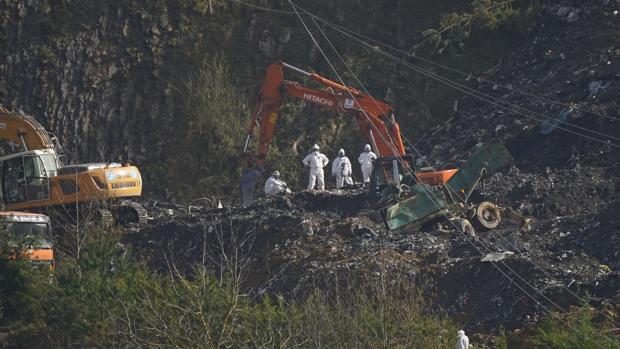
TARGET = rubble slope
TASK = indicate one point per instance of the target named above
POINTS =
(564, 182)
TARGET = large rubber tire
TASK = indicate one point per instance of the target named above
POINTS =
(487, 216)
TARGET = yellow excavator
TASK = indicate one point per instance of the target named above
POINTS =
(35, 178)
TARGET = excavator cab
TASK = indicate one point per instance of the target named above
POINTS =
(25, 176)
(27, 235)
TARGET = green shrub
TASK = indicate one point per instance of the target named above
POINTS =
(578, 330)
(104, 299)
(455, 28)
(74, 307)
(209, 134)
(206, 313)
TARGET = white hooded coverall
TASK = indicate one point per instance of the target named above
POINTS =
(365, 159)
(316, 161)
(274, 186)
(462, 342)
(341, 168)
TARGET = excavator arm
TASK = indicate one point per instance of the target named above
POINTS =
(374, 117)
(24, 131)
(401, 195)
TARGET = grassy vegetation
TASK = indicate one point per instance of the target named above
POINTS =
(103, 299)
(579, 330)
(208, 135)
(455, 29)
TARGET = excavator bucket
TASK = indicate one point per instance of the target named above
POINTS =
(485, 162)
(425, 203)
(428, 202)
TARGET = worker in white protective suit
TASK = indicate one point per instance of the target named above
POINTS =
(462, 341)
(275, 186)
(316, 161)
(365, 159)
(341, 169)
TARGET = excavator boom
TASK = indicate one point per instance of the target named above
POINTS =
(374, 118)
(23, 130)
(401, 195)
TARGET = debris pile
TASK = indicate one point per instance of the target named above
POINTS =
(288, 246)
(562, 229)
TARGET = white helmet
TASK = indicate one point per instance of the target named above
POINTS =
(315, 147)
(275, 174)
(367, 147)
(460, 333)
(341, 152)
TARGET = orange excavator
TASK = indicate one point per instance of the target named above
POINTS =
(402, 194)
(374, 117)
(26, 235)
(35, 178)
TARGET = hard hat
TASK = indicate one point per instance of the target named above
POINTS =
(367, 147)
(341, 152)
(460, 333)
(276, 174)
(315, 147)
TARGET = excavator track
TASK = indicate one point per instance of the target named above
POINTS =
(131, 212)
(124, 213)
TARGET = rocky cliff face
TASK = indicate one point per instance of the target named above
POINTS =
(107, 77)
(561, 251)
(102, 86)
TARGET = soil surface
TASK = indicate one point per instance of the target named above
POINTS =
(558, 243)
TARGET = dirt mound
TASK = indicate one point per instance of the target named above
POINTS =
(549, 193)
(284, 248)
(562, 185)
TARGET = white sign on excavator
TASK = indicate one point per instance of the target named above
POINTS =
(349, 103)
(316, 99)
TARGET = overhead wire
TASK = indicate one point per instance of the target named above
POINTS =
(454, 70)
(497, 101)
(507, 105)
(418, 153)
(472, 91)
(453, 84)
(267, 9)
(395, 151)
